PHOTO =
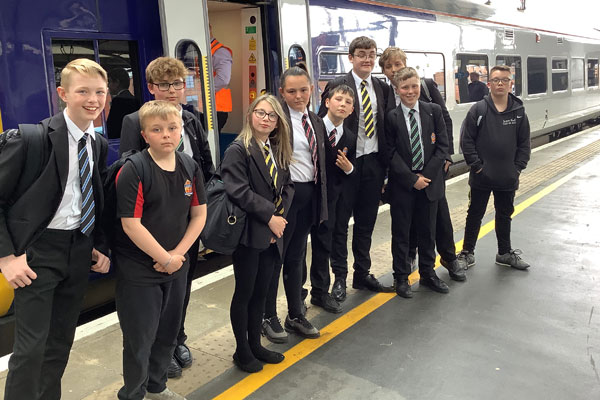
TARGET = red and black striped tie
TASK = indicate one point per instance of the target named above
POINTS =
(332, 138)
(312, 143)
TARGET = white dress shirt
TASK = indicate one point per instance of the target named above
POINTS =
(339, 132)
(405, 111)
(301, 168)
(365, 145)
(187, 146)
(262, 145)
(68, 215)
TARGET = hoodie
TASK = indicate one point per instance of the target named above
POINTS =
(499, 146)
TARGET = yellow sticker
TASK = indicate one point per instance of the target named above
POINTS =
(252, 59)
(252, 44)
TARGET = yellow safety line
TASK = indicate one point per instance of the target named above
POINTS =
(253, 382)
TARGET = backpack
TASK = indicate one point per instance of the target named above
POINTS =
(425, 90)
(143, 170)
(481, 108)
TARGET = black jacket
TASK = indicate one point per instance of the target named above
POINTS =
(385, 103)
(22, 220)
(335, 175)
(435, 147)
(500, 145)
(249, 185)
(131, 138)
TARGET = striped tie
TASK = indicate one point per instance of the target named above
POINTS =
(367, 110)
(88, 216)
(181, 146)
(273, 172)
(415, 143)
(312, 143)
(332, 138)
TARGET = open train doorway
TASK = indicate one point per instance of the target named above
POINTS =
(237, 31)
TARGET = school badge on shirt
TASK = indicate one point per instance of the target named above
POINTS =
(188, 188)
(432, 138)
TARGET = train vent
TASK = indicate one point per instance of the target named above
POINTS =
(509, 35)
(560, 39)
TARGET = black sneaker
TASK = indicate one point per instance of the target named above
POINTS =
(466, 259)
(302, 327)
(272, 330)
(512, 259)
(326, 302)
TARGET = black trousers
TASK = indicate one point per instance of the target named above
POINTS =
(150, 316)
(408, 208)
(192, 256)
(504, 205)
(46, 314)
(360, 197)
(444, 233)
(300, 219)
(252, 269)
(222, 117)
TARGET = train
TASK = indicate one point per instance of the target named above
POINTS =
(556, 71)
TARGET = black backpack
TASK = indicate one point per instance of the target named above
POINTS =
(143, 170)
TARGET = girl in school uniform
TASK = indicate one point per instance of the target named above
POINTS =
(256, 176)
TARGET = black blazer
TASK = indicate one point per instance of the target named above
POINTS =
(249, 185)
(435, 148)
(385, 103)
(335, 175)
(131, 138)
(22, 220)
(321, 135)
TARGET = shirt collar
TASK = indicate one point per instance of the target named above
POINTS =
(329, 125)
(74, 130)
(297, 114)
(405, 109)
(358, 79)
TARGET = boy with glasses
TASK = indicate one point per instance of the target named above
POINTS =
(496, 145)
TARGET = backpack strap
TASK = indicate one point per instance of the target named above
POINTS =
(142, 168)
(425, 89)
(188, 164)
(481, 109)
(33, 138)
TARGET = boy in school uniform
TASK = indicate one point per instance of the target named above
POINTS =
(166, 81)
(151, 260)
(340, 153)
(49, 235)
(417, 136)
(362, 192)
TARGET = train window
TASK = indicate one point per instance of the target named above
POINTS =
(429, 65)
(334, 63)
(514, 62)
(119, 59)
(536, 75)
(560, 74)
(469, 69)
(297, 56)
(592, 77)
(577, 73)
(189, 53)
(65, 51)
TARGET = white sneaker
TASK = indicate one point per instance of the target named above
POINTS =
(166, 394)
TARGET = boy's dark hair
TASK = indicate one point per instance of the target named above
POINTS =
(504, 68)
(343, 89)
(294, 71)
(120, 75)
(404, 74)
(361, 42)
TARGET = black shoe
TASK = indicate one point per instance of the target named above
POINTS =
(403, 288)
(302, 327)
(326, 302)
(174, 370)
(434, 283)
(338, 291)
(466, 259)
(455, 271)
(272, 330)
(268, 356)
(183, 355)
(371, 283)
(251, 366)
(512, 259)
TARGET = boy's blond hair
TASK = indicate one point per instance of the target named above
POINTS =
(158, 108)
(83, 66)
(389, 53)
(404, 74)
(165, 67)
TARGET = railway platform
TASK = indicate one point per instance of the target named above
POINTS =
(502, 334)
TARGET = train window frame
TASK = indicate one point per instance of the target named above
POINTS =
(545, 72)
(587, 73)
(195, 95)
(517, 75)
(461, 82)
(443, 90)
(573, 71)
(558, 72)
(296, 56)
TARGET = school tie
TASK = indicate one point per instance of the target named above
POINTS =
(312, 143)
(88, 216)
(415, 143)
(367, 110)
(181, 146)
(274, 176)
(332, 138)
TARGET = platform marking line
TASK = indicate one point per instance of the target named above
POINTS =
(253, 382)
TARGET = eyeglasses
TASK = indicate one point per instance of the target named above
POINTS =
(165, 86)
(273, 117)
(496, 81)
(362, 56)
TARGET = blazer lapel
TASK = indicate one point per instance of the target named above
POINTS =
(60, 145)
(257, 154)
(426, 128)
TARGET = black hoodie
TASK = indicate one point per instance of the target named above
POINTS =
(500, 145)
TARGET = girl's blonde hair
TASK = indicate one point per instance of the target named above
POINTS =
(280, 137)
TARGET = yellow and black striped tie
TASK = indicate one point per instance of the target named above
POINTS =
(274, 176)
(367, 110)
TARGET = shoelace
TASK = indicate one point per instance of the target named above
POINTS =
(516, 253)
(275, 323)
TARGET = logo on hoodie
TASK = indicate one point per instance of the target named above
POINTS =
(510, 121)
